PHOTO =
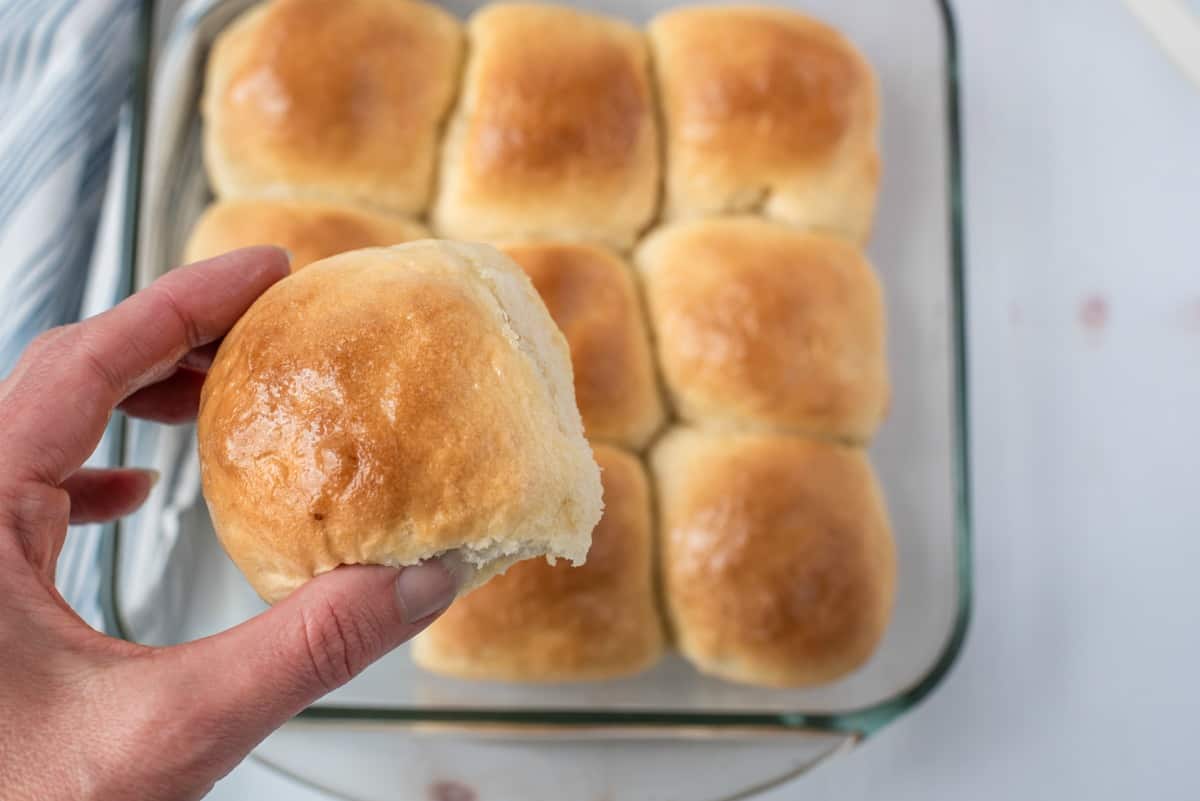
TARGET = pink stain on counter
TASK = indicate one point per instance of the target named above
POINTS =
(1192, 316)
(1094, 313)
(451, 791)
(1016, 314)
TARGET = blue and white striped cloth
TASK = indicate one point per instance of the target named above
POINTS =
(66, 70)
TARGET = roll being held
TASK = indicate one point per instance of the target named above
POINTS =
(389, 405)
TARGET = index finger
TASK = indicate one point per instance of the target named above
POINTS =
(56, 403)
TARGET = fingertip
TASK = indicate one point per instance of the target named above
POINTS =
(277, 259)
(152, 476)
(463, 571)
(280, 259)
(270, 262)
(141, 482)
(98, 495)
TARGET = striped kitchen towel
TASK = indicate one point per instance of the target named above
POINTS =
(66, 70)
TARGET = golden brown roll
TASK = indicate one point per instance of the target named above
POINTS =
(389, 405)
(335, 101)
(778, 564)
(563, 623)
(554, 135)
(766, 110)
(310, 231)
(762, 326)
(591, 295)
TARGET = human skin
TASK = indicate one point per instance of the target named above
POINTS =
(85, 716)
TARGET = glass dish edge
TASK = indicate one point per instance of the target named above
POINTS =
(857, 723)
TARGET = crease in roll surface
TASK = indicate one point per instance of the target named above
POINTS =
(766, 110)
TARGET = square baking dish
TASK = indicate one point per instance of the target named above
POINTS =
(168, 581)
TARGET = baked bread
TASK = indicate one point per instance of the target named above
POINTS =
(554, 135)
(761, 326)
(591, 295)
(563, 623)
(309, 231)
(332, 101)
(389, 405)
(766, 110)
(778, 566)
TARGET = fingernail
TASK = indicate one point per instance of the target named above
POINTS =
(462, 570)
(424, 589)
(153, 474)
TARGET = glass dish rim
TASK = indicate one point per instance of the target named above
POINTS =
(856, 723)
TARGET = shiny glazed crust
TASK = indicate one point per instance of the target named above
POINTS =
(335, 101)
(770, 111)
(555, 134)
(778, 562)
(761, 326)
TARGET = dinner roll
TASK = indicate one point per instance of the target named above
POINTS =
(554, 134)
(591, 295)
(389, 405)
(310, 231)
(336, 101)
(766, 110)
(762, 326)
(778, 566)
(563, 623)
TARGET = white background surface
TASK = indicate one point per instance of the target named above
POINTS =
(1081, 676)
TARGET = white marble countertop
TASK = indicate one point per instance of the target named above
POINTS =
(1083, 223)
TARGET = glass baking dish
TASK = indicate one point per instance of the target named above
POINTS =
(168, 581)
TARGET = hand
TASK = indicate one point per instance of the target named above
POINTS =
(84, 716)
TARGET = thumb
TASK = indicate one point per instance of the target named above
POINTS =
(244, 683)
